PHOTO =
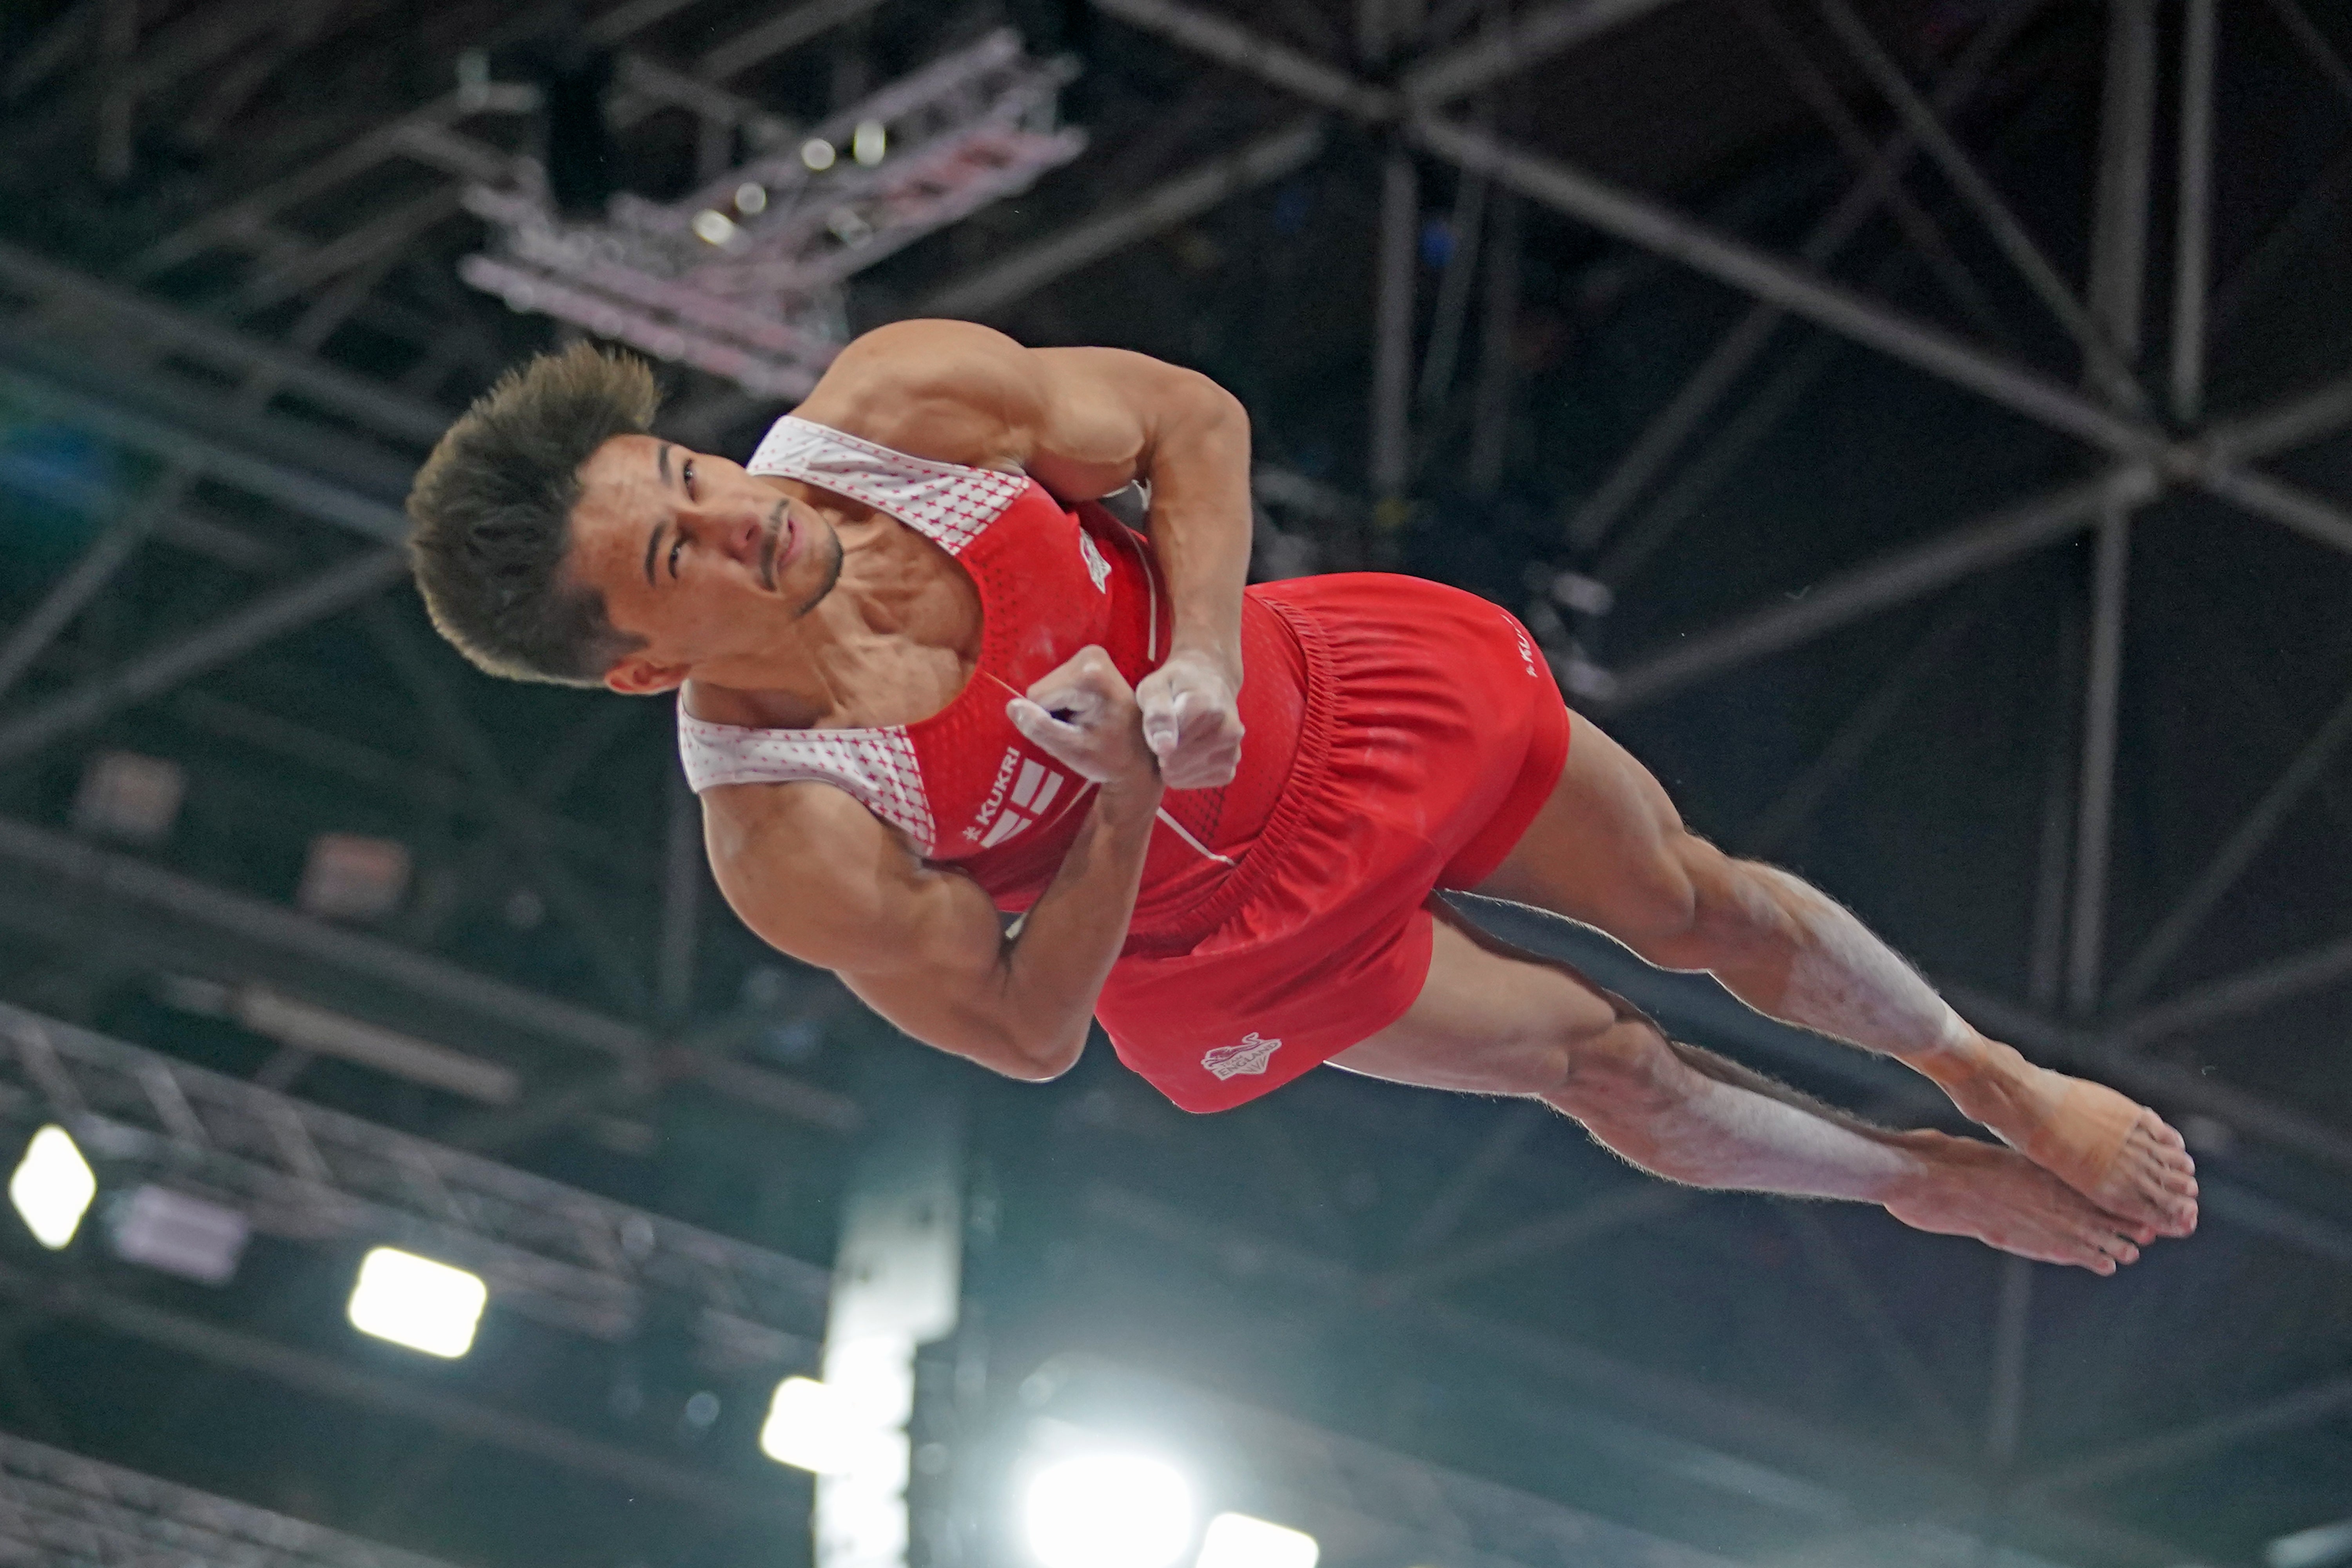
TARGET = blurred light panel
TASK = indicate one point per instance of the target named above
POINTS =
(52, 1187)
(812, 1427)
(180, 1234)
(416, 1302)
(1108, 1510)
(869, 143)
(1237, 1541)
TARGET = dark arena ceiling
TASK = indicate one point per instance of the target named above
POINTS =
(1918, 431)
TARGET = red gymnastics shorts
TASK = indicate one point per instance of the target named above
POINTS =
(1433, 733)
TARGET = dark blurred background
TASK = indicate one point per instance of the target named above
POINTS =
(1917, 430)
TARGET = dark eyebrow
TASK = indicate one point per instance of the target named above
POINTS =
(662, 459)
(653, 542)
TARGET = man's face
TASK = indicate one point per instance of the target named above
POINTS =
(712, 567)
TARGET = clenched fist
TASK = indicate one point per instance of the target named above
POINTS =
(1084, 716)
(1191, 720)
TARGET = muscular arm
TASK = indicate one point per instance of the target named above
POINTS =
(1084, 422)
(815, 874)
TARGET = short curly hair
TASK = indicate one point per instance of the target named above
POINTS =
(492, 510)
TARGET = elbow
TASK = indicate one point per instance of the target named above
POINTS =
(1013, 1054)
(1045, 1066)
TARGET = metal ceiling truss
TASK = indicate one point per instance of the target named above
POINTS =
(60, 1508)
(295, 1170)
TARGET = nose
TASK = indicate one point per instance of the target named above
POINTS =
(743, 537)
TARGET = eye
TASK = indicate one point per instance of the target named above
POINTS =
(687, 474)
(675, 545)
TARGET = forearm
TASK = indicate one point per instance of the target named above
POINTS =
(1199, 471)
(1054, 965)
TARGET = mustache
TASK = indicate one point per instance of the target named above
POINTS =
(774, 538)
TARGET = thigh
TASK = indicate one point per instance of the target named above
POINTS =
(1490, 1019)
(1608, 848)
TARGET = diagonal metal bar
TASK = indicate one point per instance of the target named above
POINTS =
(2283, 503)
(1862, 1302)
(89, 576)
(1655, 227)
(1892, 579)
(2192, 229)
(774, 36)
(471, 750)
(1524, 42)
(2012, 1340)
(1919, 228)
(271, 615)
(2098, 347)
(2230, 861)
(1162, 208)
(1705, 386)
(1861, 731)
(1245, 51)
(2240, 993)
(2307, 419)
(2300, 1408)
(2315, 44)
(1546, 1233)
(1496, 1151)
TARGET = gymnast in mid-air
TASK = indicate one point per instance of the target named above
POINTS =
(923, 681)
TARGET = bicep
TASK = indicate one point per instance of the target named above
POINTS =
(815, 874)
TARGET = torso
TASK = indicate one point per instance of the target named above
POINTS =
(960, 587)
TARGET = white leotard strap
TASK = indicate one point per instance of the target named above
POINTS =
(875, 767)
(946, 502)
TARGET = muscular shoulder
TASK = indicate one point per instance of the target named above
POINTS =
(810, 870)
(951, 391)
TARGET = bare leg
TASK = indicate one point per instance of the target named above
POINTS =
(1609, 849)
(1494, 1020)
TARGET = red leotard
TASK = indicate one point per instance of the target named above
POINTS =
(1399, 737)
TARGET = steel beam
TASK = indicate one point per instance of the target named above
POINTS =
(1519, 44)
(272, 615)
(1642, 222)
(64, 1507)
(2093, 337)
(1892, 579)
(2318, 521)
(2248, 992)
(771, 38)
(2095, 779)
(2316, 1403)
(1502, 1144)
(2192, 224)
(2012, 1339)
(1391, 442)
(1894, 1351)
(2236, 853)
(317, 1375)
(1252, 54)
(2315, 45)
(1490, 436)
(89, 575)
(1577, 1224)
(271, 931)
(1172, 202)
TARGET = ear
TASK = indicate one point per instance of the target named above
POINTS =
(637, 676)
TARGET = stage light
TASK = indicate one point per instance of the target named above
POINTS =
(869, 143)
(416, 1302)
(1237, 1541)
(127, 797)
(52, 1187)
(751, 198)
(817, 154)
(349, 876)
(2321, 1546)
(1108, 1510)
(813, 1428)
(712, 227)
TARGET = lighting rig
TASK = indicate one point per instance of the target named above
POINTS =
(743, 278)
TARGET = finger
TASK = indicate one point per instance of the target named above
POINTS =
(1033, 720)
(1163, 731)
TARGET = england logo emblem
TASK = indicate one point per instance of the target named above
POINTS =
(1250, 1056)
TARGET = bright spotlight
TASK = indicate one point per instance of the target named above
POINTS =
(870, 142)
(52, 1187)
(751, 198)
(1110, 1510)
(812, 1427)
(1237, 1541)
(712, 227)
(817, 154)
(416, 1302)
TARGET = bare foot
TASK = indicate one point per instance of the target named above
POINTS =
(2115, 1151)
(2005, 1200)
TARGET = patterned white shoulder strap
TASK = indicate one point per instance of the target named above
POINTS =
(877, 767)
(947, 502)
